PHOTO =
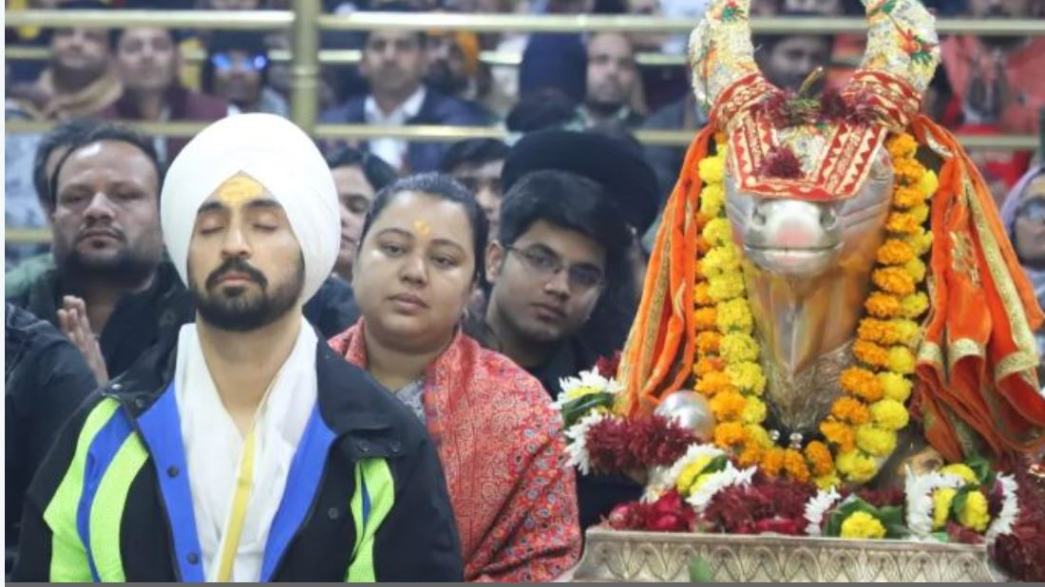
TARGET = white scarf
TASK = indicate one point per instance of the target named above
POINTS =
(214, 448)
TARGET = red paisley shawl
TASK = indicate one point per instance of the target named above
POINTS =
(501, 448)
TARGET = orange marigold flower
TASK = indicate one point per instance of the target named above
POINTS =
(708, 365)
(715, 383)
(729, 434)
(894, 280)
(819, 457)
(895, 252)
(720, 141)
(700, 294)
(728, 405)
(703, 246)
(851, 410)
(701, 220)
(839, 434)
(861, 383)
(773, 461)
(883, 305)
(707, 342)
(908, 197)
(901, 146)
(871, 354)
(795, 465)
(705, 319)
(908, 171)
(887, 332)
(902, 223)
(751, 454)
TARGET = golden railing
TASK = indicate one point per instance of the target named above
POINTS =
(307, 21)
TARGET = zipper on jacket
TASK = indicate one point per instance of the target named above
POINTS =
(309, 514)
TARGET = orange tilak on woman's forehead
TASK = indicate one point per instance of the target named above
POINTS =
(238, 189)
(422, 228)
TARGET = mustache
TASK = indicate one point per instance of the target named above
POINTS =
(236, 265)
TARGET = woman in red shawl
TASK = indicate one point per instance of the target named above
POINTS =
(497, 436)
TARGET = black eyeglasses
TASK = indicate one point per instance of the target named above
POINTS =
(581, 278)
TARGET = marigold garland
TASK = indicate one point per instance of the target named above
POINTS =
(861, 430)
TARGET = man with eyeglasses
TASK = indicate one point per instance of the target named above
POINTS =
(237, 69)
(562, 286)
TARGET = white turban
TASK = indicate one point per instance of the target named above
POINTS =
(281, 157)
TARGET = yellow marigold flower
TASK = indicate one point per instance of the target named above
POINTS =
(708, 342)
(701, 297)
(908, 171)
(914, 305)
(708, 365)
(773, 461)
(705, 319)
(727, 406)
(901, 360)
(712, 169)
(795, 465)
(839, 434)
(895, 252)
(729, 434)
(819, 457)
(712, 199)
(827, 482)
(862, 525)
(942, 499)
(735, 315)
(974, 512)
(871, 354)
(901, 146)
(961, 470)
(929, 183)
(889, 414)
(719, 260)
(717, 232)
(920, 213)
(757, 435)
(754, 411)
(895, 386)
(688, 476)
(861, 383)
(714, 383)
(905, 331)
(856, 466)
(916, 269)
(739, 347)
(875, 441)
(850, 410)
(921, 241)
(726, 287)
(883, 305)
(907, 197)
(747, 376)
(894, 280)
(902, 223)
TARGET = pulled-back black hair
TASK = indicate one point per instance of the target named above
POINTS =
(445, 188)
(473, 152)
(378, 173)
(74, 135)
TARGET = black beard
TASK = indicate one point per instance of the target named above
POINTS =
(604, 109)
(231, 310)
(441, 80)
(129, 269)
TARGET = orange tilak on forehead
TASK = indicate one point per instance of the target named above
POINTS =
(238, 189)
(422, 228)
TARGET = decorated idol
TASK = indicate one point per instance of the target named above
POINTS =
(831, 306)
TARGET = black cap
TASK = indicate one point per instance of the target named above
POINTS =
(616, 165)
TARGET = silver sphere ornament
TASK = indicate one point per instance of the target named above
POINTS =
(691, 410)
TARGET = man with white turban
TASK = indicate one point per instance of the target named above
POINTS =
(248, 451)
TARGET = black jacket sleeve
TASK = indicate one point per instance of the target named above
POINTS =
(418, 541)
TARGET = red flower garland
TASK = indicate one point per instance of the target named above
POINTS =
(619, 445)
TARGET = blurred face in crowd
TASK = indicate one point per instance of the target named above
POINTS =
(83, 53)
(790, 61)
(238, 77)
(147, 59)
(484, 180)
(1029, 234)
(1003, 8)
(355, 194)
(447, 71)
(824, 7)
(245, 265)
(546, 284)
(612, 73)
(416, 271)
(106, 218)
(393, 62)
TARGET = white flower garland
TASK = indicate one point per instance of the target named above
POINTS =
(817, 507)
(1010, 509)
(588, 380)
(716, 482)
(577, 446)
(919, 492)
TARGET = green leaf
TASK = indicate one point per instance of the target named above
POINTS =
(848, 507)
(982, 468)
(717, 464)
(699, 570)
(941, 536)
(576, 409)
(958, 504)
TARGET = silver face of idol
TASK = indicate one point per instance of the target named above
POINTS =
(807, 268)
